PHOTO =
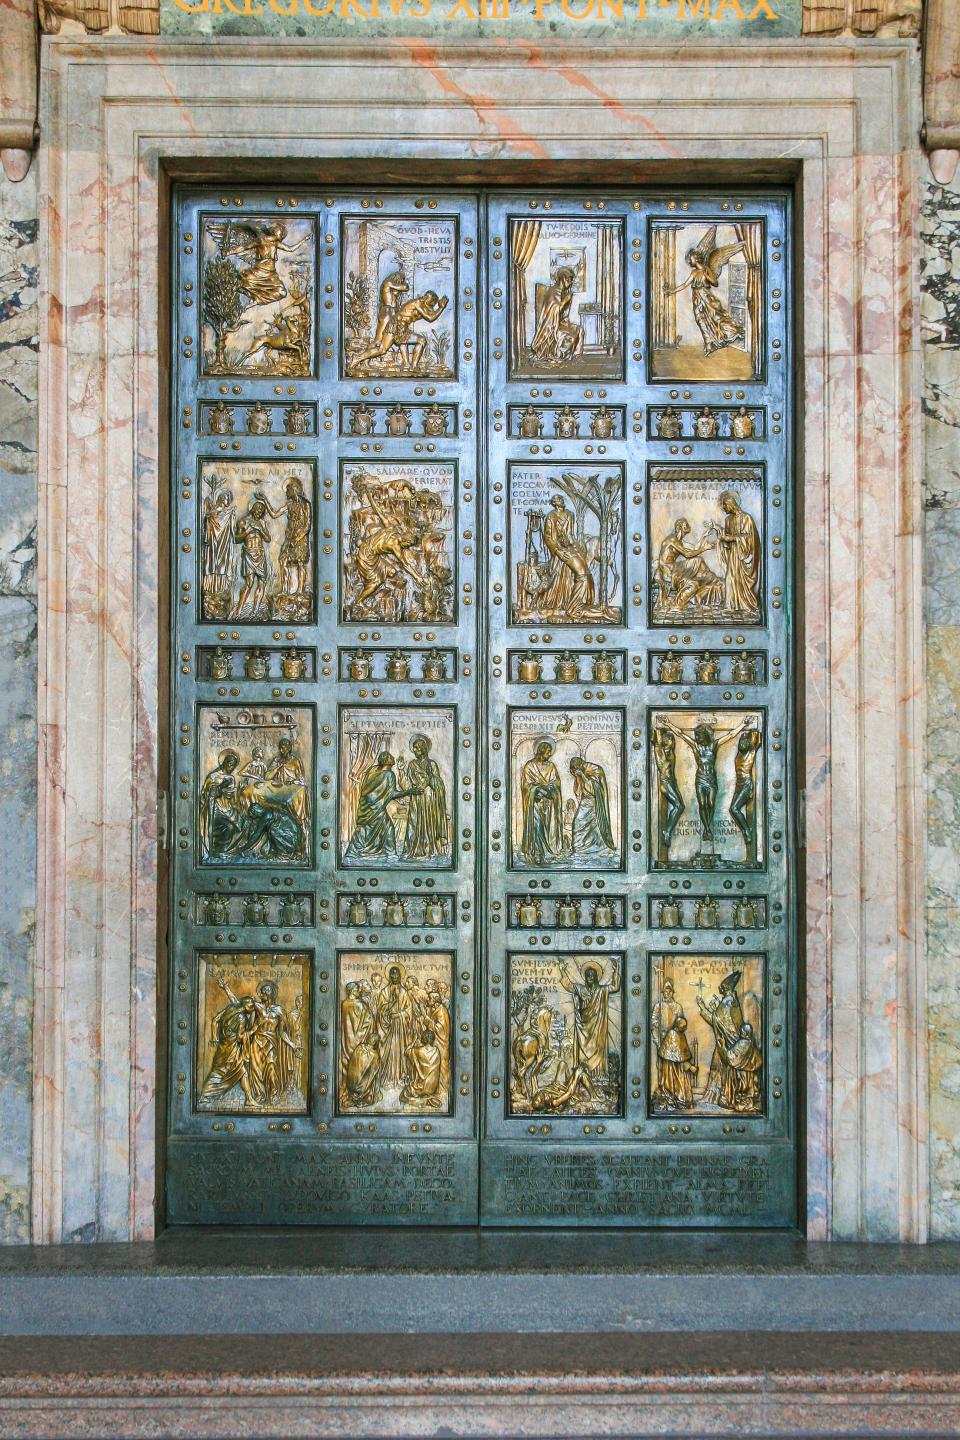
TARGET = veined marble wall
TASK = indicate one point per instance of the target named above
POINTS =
(941, 325)
(18, 682)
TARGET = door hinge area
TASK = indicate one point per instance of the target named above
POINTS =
(801, 819)
(163, 820)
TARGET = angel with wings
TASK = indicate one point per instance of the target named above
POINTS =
(707, 261)
(257, 244)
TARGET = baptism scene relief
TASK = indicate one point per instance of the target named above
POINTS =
(394, 1033)
(257, 549)
(706, 300)
(707, 789)
(566, 789)
(706, 535)
(253, 1033)
(566, 1034)
(566, 280)
(397, 786)
(256, 764)
(399, 298)
(257, 281)
(566, 544)
(706, 1035)
(397, 542)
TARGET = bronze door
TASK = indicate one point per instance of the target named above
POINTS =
(481, 744)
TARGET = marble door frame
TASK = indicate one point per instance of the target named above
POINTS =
(117, 117)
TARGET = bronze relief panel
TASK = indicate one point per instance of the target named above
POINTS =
(257, 289)
(707, 1034)
(399, 302)
(566, 789)
(566, 543)
(253, 1033)
(705, 544)
(255, 787)
(257, 541)
(707, 789)
(566, 283)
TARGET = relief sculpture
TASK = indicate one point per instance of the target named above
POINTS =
(396, 542)
(566, 559)
(251, 568)
(565, 1035)
(706, 1054)
(707, 301)
(706, 552)
(566, 786)
(565, 308)
(706, 789)
(255, 795)
(257, 285)
(394, 1033)
(251, 1043)
(400, 277)
(396, 786)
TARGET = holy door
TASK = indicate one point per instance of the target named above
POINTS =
(483, 835)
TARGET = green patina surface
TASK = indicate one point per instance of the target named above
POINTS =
(435, 20)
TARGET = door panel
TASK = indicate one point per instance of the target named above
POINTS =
(482, 748)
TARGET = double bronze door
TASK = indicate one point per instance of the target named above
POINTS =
(481, 746)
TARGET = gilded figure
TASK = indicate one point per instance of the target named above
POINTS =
(396, 551)
(401, 282)
(251, 1055)
(565, 1035)
(394, 1033)
(706, 1035)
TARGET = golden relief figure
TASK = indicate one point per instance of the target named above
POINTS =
(568, 563)
(400, 280)
(252, 569)
(565, 1035)
(251, 1054)
(707, 325)
(257, 285)
(565, 306)
(396, 553)
(394, 1033)
(686, 1029)
(714, 579)
(255, 796)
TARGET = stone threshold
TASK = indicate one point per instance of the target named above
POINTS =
(356, 1282)
(549, 1386)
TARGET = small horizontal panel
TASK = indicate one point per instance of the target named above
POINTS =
(396, 909)
(288, 664)
(254, 909)
(708, 912)
(733, 423)
(257, 554)
(400, 665)
(394, 1034)
(397, 786)
(566, 1034)
(566, 789)
(386, 420)
(567, 667)
(257, 288)
(707, 789)
(399, 302)
(567, 422)
(256, 795)
(218, 1181)
(566, 912)
(705, 544)
(253, 1033)
(707, 667)
(256, 417)
(708, 1034)
(538, 1182)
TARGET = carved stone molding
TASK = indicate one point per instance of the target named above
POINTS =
(941, 87)
(18, 87)
(900, 18)
(99, 17)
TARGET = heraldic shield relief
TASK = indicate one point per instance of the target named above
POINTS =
(483, 825)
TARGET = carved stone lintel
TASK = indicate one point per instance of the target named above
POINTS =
(99, 17)
(862, 17)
